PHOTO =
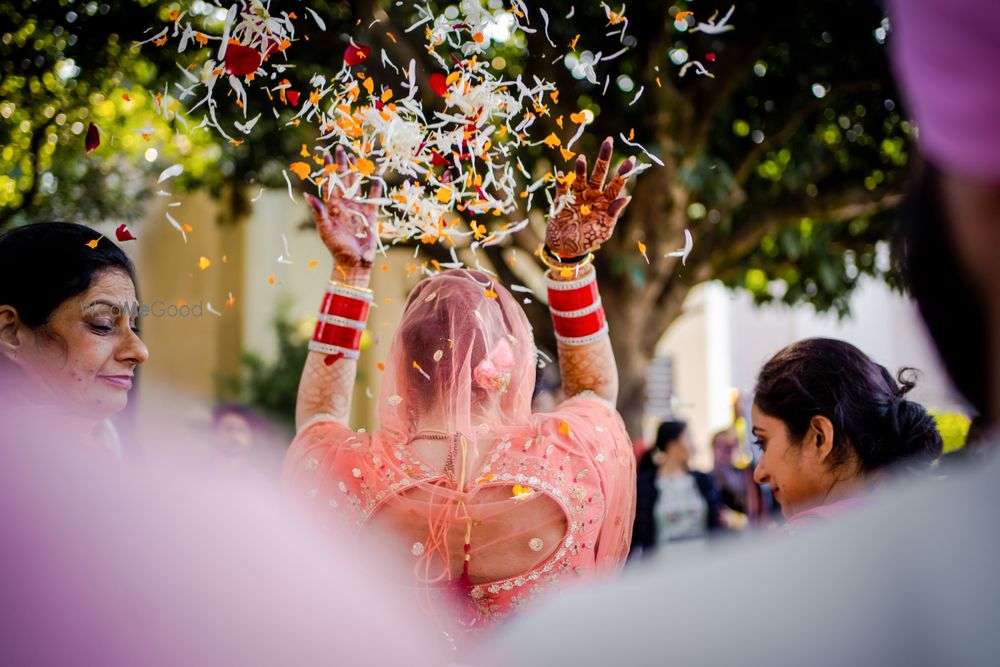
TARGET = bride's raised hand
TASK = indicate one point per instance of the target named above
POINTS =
(587, 218)
(348, 228)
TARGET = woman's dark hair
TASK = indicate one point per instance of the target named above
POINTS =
(949, 301)
(872, 421)
(668, 432)
(43, 264)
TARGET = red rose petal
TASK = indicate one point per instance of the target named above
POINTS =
(710, 57)
(356, 54)
(123, 234)
(331, 359)
(440, 84)
(293, 97)
(93, 139)
(241, 60)
(438, 160)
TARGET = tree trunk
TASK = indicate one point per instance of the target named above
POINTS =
(635, 331)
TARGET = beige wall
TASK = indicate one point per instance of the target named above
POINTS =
(187, 354)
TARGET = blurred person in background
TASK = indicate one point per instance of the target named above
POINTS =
(69, 338)
(548, 388)
(738, 493)
(673, 503)
(873, 588)
(829, 421)
(243, 444)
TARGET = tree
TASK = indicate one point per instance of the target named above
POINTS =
(784, 165)
(65, 65)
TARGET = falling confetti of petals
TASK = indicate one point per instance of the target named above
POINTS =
(241, 60)
(355, 54)
(439, 84)
(564, 428)
(93, 244)
(204, 263)
(519, 491)
(698, 67)
(642, 250)
(365, 166)
(176, 225)
(123, 234)
(417, 367)
(710, 27)
(710, 57)
(437, 164)
(93, 139)
(300, 169)
(331, 359)
(686, 250)
(170, 172)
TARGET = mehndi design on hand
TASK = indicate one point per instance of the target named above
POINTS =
(587, 219)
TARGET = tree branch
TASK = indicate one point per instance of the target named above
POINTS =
(792, 125)
(847, 204)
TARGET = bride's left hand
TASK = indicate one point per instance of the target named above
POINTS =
(587, 220)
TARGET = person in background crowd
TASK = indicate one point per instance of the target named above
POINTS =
(243, 443)
(735, 483)
(673, 502)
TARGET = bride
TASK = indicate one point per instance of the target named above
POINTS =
(494, 506)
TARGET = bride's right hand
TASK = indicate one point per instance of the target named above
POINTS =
(347, 228)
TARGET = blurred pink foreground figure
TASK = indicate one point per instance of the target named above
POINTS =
(106, 565)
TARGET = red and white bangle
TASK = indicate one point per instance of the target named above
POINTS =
(577, 313)
(341, 320)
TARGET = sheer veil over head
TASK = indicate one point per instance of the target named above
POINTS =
(462, 360)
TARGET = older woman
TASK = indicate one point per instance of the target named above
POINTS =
(69, 345)
(494, 505)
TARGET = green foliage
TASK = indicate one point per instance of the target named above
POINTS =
(66, 64)
(271, 387)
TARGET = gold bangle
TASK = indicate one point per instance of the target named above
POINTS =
(337, 283)
(561, 266)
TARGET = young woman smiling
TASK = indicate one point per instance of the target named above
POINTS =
(829, 421)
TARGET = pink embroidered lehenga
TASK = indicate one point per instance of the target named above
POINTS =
(495, 506)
